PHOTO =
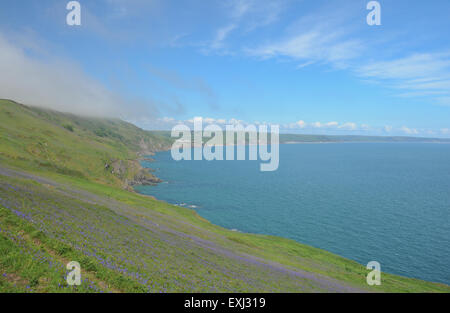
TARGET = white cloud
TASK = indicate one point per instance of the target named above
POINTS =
(424, 74)
(253, 14)
(327, 39)
(317, 45)
(167, 119)
(409, 131)
(348, 126)
(209, 120)
(59, 85)
(387, 128)
(221, 35)
(206, 120)
(127, 8)
(305, 64)
(301, 124)
(234, 121)
(240, 7)
(326, 126)
(332, 124)
(247, 15)
(417, 68)
(321, 36)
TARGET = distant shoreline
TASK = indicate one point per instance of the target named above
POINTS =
(317, 142)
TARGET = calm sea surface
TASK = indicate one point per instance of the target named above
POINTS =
(364, 201)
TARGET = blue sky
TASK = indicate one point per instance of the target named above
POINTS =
(310, 66)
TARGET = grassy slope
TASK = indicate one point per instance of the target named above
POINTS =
(37, 139)
(129, 242)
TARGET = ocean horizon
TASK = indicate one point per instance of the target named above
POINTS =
(384, 202)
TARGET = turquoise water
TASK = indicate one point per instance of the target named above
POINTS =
(384, 202)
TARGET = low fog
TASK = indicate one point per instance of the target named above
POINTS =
(60, 85)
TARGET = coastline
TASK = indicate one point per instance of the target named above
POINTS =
(90, 176)
(237, 230)
(147, 155)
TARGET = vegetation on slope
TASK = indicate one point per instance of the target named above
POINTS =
(57, 206)
(103, 150)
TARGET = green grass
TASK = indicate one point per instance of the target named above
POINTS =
(36, 139)
(126, 242)
(33, 262)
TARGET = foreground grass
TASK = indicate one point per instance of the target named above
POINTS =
(277, 249)
(126, 254)
(123, 251)
(33, 262)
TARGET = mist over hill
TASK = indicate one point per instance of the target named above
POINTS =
(106, 150)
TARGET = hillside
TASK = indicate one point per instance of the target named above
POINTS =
(61, 200)
(103, 150)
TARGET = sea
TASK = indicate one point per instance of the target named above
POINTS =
(384, 202)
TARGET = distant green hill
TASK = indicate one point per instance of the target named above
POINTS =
(298, 138)
(62, 199)
(103, 150)
(305, 138)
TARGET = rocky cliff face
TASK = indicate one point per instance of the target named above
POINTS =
(131, 173)
(144, 177)
(149, 147)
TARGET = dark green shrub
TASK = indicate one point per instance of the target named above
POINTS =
(68, 127)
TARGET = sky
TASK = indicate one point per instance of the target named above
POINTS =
(311, 66)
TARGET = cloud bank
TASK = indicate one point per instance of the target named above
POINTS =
(32, 78)
(301, 127)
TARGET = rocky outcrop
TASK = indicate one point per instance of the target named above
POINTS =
(131, 173)
(144, 177)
